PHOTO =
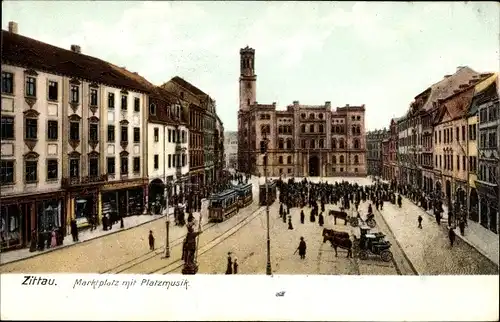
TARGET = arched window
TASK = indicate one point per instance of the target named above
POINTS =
(341, 143)
(280, 129)
(334, 159)
(280, 143)
(356, 159)
(341, 159)
(353, 130)
(303, 144)
(303, 128)
(311, 128)
(358, 130)
(289, 144)
(311, 116)
(321, 144)
(356, 143)
(312, 144)
(303, 115)
(321, 128)
(320, 116)
(334, 143)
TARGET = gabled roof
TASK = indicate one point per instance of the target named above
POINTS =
(190, 87)
(478, 90)
(29, 53)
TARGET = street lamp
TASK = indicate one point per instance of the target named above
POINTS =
(167, 223)
(264, 149)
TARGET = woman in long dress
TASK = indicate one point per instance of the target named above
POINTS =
(53, 240)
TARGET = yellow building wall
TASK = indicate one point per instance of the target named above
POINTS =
(472, 150)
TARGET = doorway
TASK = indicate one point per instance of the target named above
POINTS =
(314, 166)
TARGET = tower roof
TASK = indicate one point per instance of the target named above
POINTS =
(247, 50)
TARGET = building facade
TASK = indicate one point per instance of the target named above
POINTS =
(219, 153)
(374, 151)
(393, 151)
(231, 149)
(304, 140)
(70, 137)
(488, 174)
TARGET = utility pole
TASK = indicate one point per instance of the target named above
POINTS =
(167, 223)
(264, 147)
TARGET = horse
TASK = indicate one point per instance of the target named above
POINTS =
(333, 233)
(338, 214)
(343, 243)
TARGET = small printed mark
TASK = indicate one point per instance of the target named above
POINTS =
(280, 294)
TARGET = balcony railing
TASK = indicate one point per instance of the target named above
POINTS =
(83, 180)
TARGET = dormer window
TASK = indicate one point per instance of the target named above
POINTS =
(75, 94)
(152, 109)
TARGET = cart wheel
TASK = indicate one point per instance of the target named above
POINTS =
(363, 254)
(386, 255)
(371, 223)
(354, 222)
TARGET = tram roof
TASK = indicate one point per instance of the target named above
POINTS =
(242, 186)
(222, 194)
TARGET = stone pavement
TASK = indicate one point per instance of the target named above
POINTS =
(428, 248)
(482, 239)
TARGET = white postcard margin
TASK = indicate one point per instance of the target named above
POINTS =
(248, 297)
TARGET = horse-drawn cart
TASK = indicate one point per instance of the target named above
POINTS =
(354, 221)
(372, 244)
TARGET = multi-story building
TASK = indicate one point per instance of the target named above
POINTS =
(416, 130)
(219, 148)
(192, 101)
(209, 130)
(450, 146)
(472, 147)
(374, 151)
(393, 151)
(488, 174)
(385, 158)
(167, 146)
(231, 149)
(304, 140)
(57, 162)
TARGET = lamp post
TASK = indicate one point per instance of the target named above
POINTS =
(264, 149)
(167, 223)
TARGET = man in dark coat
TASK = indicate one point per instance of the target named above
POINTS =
(451, 236)
(461, 225)
(419, 221)
(302, 248)
(74, 230)
(321, 219)
(302, 216)
(229, 269)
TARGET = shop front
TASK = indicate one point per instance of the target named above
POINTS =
(82, 204)
(488, 206)
(156, 196)
(22, 215)
(124, 198)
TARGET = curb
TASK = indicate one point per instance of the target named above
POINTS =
(462, 238)
(82, 242)
(399, 245)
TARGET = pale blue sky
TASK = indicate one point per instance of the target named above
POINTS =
(378, 54)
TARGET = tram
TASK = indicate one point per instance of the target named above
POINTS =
(222, 205)
(271, 186)
(245, 194)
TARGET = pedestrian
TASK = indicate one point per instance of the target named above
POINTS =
(461, 225)
(105, 222)
(229, 269)
(151, 239)
(451, 236)
(290, 227)
(53, 239)
(33, 241)
(74, 230)
(419, 221)
(302, 248)
(235, 266)
(302, 216)
(284, 218)
(321, 220)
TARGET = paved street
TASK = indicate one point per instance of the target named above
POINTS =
(245, 236)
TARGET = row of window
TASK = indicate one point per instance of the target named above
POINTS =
(285, 129)
(488, 173)
(196, 158)
(489, 114)
(31, 168)
(174, 136)
(196, 120)
(53, 92)
(446, 162)
(174, 160)
(488, 140)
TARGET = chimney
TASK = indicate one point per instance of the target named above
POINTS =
(13, 27)
(295, 102)
(274, 104)
(347, 105)
(76, 49)
(328, 104)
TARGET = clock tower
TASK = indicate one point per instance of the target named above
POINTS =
(248, 89)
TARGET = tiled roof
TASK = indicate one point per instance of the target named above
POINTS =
(190, 87)
(26, 52)
(457, 105)
(478, 90)
(448, 85)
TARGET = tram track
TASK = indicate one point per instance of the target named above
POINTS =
(176, 242)
(177, 264)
